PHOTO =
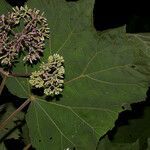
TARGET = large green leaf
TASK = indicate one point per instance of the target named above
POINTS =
(102, 75)
(4, 7)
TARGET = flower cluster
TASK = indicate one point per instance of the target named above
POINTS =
(30, 41)
(50, 76)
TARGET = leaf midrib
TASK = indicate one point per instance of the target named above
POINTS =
(71, 109)
(57, 127)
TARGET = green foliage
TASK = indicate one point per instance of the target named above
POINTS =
(103, 72)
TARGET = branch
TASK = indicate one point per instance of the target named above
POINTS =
(5, 122)
(3, 84)
(2, 72)
(27, 147)
(7, 74)
(4, 76)
(12, 74)
(22, 75)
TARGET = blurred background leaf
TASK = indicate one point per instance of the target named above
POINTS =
(131, 126)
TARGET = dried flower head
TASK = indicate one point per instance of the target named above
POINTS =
(30, 40)
(50, 76)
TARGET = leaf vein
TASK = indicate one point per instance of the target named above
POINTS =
(55, 125)
(67, 39)
(111, 83)
(38, 127)
(84, 121)
(21, 85)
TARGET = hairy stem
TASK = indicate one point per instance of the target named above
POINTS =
(2, 72)
(6, 74)
(3, 84)
(5, 122)
(12, 74)
(22, 75)
(27, 147)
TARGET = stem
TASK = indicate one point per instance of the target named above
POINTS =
(23, 75)
(2, 72)
(12, 32)
(28, 25)
(6, 74)
(5, 122)
(3, 84)
(12, 74)
(27, 147)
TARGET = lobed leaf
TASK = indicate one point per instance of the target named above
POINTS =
(103, 72)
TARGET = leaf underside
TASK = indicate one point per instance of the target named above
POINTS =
(104, 71)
